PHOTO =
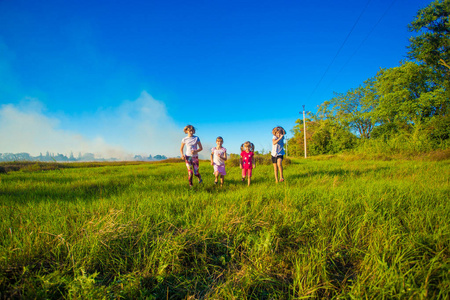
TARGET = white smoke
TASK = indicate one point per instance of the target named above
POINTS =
(142, 126)
(134, 127)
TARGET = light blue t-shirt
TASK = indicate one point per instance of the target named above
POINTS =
(278, 148)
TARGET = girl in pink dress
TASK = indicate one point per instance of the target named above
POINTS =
(247, 160)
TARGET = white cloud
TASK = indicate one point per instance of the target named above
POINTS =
(141, 127)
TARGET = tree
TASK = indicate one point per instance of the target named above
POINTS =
(432, 45)
(413, 102)
(71, 157)
(409, 94)
(322, 137)
(352, 110)
(408, 104)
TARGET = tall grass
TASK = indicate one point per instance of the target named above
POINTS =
(334, 229)
(402, 144)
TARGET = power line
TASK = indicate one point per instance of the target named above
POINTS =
(348, 35)
(363, 41)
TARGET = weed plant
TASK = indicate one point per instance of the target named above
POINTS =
(334, 229)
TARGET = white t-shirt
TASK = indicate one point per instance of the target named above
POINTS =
(277, 149)
(218, 152)
(191, 144)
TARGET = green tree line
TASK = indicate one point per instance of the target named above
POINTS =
(405, 108)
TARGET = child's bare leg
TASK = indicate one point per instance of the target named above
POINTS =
(249, 180)
(216, 175)
(280, 167)
(222, 179)
(276, 172)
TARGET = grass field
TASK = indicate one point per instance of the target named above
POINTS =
(334, 229)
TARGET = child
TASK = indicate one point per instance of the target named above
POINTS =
(247, 160)
(193, 147)
(278, 151)
(218, 158)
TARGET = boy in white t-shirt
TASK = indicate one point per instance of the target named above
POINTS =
(193, 147)
(218, 158)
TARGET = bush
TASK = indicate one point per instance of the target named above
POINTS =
(438, 155)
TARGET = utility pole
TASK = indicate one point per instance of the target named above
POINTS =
(285, 138)
(304, 128)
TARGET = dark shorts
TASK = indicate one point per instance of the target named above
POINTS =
(275, 158)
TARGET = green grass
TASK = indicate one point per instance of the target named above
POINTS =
(334, 229)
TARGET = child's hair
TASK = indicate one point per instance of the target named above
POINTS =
(189, 127)
(248, 144)
(219, 138)
(278, 129)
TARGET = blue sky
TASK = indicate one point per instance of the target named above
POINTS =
(118, 78)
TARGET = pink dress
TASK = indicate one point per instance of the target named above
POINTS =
(247, 163)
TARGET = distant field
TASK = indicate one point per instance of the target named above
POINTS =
(335, 228)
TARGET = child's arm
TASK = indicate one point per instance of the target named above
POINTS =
(212, 156)
(275, 141)
(181, 150)
(200, 147)
(225, 153)
(253, 162)
(240, 162)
